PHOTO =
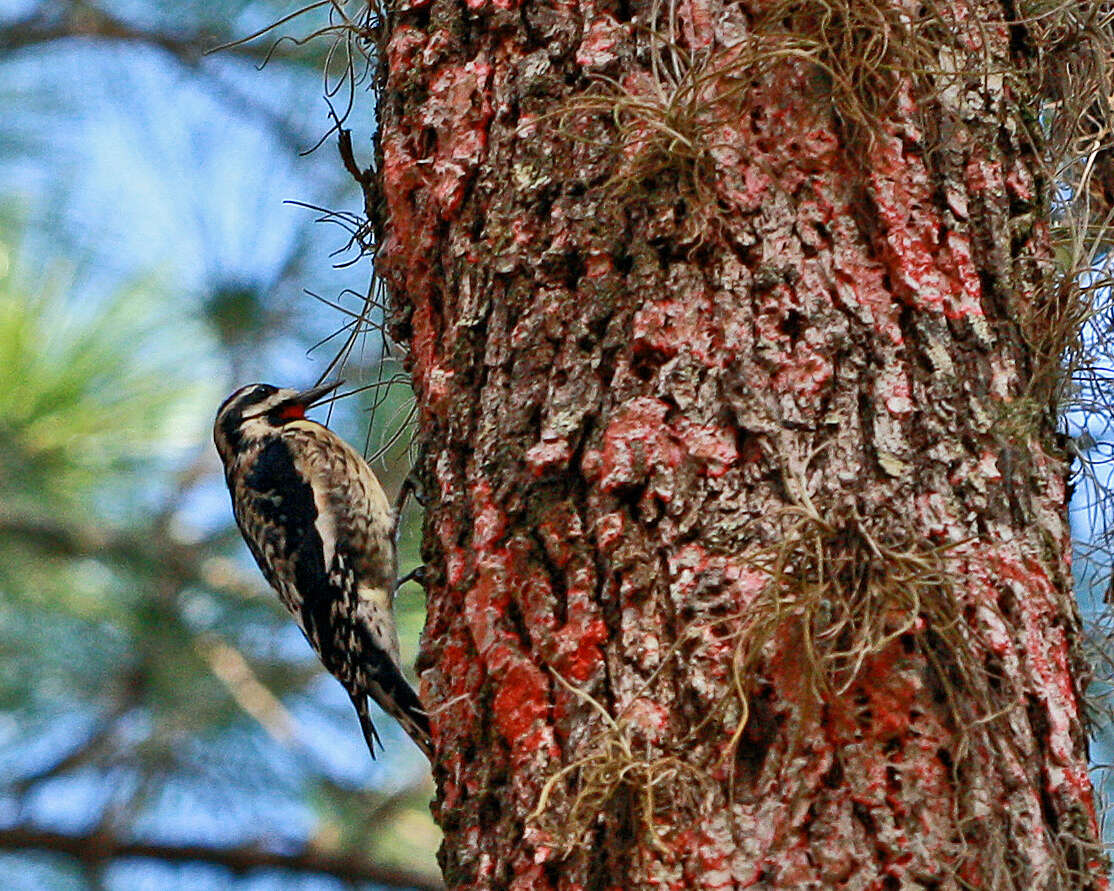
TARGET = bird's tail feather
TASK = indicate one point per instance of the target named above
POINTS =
(376, 675)
(371, 736)
(397, 698)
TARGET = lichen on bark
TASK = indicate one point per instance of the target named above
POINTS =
(772, 365)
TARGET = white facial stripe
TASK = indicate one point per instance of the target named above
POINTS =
(259, 409)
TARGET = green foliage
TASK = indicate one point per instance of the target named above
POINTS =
(84, 393)
(84, 389)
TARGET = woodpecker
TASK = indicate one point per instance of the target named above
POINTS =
(320, 528)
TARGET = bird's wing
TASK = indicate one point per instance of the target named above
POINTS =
(288, 544)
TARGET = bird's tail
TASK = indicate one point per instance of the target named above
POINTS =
(371, 737)
(397, 698)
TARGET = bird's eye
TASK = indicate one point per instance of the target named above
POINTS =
(258, 393)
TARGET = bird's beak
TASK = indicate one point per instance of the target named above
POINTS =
(313, 395)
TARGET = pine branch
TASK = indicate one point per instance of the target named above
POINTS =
(98, 848)
(69, 537)
(83, 20)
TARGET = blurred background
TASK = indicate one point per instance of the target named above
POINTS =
(162, 722)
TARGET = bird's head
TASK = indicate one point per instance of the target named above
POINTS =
(259, 410)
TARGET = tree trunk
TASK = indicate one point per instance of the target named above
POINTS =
(735, 337)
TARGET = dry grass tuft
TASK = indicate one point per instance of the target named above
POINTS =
(612, 770)
(1072, 84)
(666, 124)
(678, 116)
(846, 595)
(875, 55)
(1070, 327)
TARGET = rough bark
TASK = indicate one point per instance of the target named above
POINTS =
(747, 544)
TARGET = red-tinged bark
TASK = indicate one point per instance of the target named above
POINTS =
(747, 544)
